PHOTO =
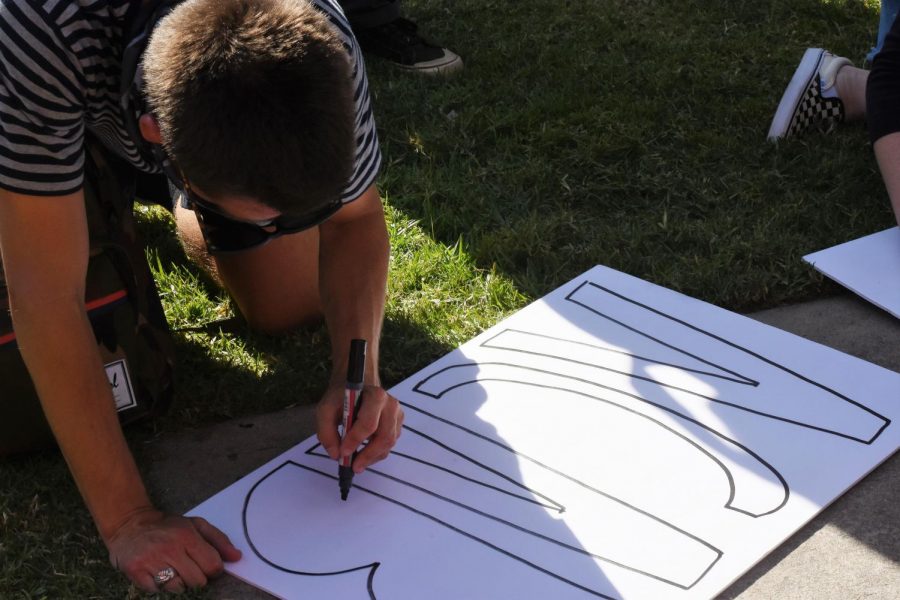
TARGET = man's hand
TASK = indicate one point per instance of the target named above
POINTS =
(380, 420)
(150, 541)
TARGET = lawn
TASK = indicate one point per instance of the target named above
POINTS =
(626, 133)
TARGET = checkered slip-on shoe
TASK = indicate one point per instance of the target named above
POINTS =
(810, 100)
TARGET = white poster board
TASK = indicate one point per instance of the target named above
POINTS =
(869, 267)
(614, 439)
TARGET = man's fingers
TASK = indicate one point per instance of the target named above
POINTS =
(371, 454)
(144, 581)
(175, 586)
(361, 465)
(380, 444)
(220, 542)
(188, 573)
(364, 428)
(401, 416)
(191, 547)
(207, 563)
(379, 420)
(371, 413)
(139, 572)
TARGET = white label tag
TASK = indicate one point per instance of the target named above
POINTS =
(120, 382)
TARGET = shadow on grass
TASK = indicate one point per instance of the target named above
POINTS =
(210, 387)
(644, 150)
(225, 370)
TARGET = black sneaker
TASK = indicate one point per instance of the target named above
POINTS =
(400, 43)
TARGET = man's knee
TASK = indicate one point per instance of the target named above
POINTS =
(276, 287)
(274, 318)
(193, 243)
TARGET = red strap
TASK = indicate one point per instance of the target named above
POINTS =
(105, 300)
(89, 306)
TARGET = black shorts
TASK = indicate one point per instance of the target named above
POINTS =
(883, 88)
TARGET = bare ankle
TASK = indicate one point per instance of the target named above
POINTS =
(851, 88)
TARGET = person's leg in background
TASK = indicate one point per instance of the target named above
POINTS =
(883, 114)
(383, 32)
(824, 91)
(827, 89)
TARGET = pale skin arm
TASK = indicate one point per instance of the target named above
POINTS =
(44, 244)
(353, 265)
(887, 152)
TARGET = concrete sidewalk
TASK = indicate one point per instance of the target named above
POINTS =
(851, 550)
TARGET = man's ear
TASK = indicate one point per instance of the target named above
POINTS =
(150, 129)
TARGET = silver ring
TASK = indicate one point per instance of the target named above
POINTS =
(164, 576)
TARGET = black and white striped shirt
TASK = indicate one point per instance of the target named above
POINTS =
(60, 72)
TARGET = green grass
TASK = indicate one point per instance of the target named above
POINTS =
(627, 133)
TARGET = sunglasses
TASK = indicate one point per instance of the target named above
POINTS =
(224, 233)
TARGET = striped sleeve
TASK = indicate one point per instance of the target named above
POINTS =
(41, 106)
(367, 160)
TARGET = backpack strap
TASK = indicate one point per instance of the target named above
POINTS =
(131, 84)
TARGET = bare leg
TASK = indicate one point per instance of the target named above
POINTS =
(851, 88)
(887, 152)
(276, 286)
(192, 241)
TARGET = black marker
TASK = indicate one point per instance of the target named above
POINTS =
(356, 368)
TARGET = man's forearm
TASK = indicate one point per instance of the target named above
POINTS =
(59, 349)
(353, 267)
(353, 281)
